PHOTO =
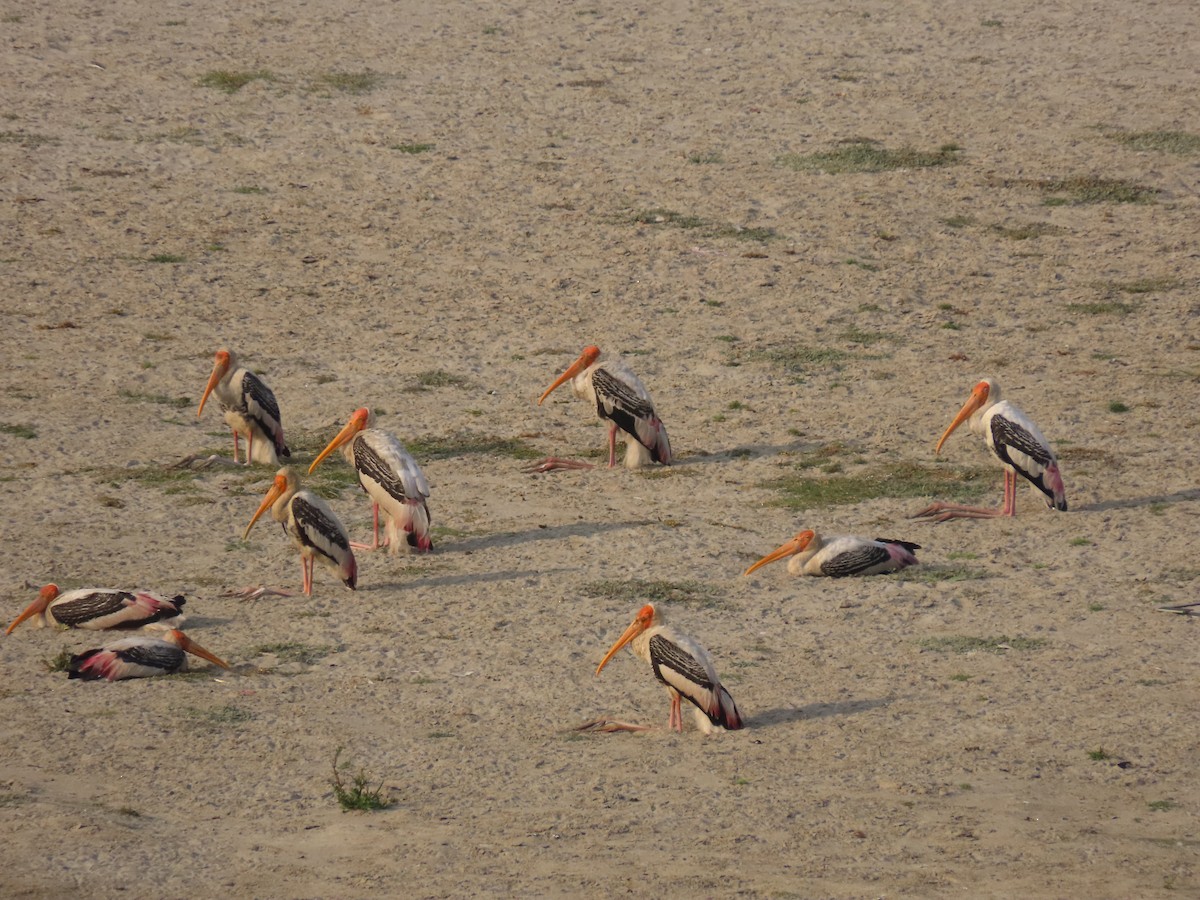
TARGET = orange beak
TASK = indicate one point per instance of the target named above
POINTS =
(795, 545)
(978, 397)
(274, 493)
(589, 355)
(645, 618)
(220, 367)
(37, 607)
(358, 421)
(187, 644)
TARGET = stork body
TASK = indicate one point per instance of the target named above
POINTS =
(250, 408)
(620, 399)
(391, 478)
(312, 526)
(839, 556)
(684, 667)
(1016, 443)
(98, 608)
(139, 657)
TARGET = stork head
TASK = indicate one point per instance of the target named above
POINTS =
(223, 362)
(646, 618)
(791, 548)
(185, 643)
(589, 355)
(284, 483)
(983, 395)
(361, 419)
(37, 607)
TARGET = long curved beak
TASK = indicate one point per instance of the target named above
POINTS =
(349, 430)
(272, 495)
(795, 545)
(37, 607)
(976, 400)
(572, 370)
(219, 368)
(635, 628)
(186, 643)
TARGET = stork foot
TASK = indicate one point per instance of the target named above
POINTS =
(551, 463)
(253, 593)
(609, 726)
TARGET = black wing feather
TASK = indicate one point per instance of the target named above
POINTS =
(854, 561)
(617, 402)
(92, 606)
(663, 653)
(1007, 434)
(312, 517)
(254, 388)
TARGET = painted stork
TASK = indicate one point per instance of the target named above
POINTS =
(841, 555)
(98, 608)
(139, 657)
(311, 525)
(1019, 446)
(250, 409)
(391, 478)
(681, 664)
(620, 398)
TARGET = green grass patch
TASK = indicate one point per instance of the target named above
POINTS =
(904, 480)
(638, 591)
(668, 218)
(21, 431)
(412, 149)
(471, 444)
(1103, 308)
(58, 663)
(1143, 285)
(968, 644)
(1099, 755)
(357, 795)
(161, 399)
(438, 378)
(231, 81)
(351, 82)
(29, 141)
(1027, 230)
(866, 155)
(294, 651)
(1084, 189)
(167, 478)
(1116, 406)
(166, 258)
(250, 189)
(792, 357)
(1162, 805)
(1183, 143)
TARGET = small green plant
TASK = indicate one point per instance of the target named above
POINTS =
(903, 480)
(1102, 308)
(1027, 231)
(412, 149)
(958, 221)
(967, 644)
(1098, 755)
(231, 82)
(250, 189)
(1082, 189)
(1162, 805)
(867, 155)
(1095, 607)
(1080, 542)
(166, 258)
(21, 431)
(437, 378)
(351, 82)
(358, 795)
(700, 159)
(961, 677)
(59, 663)
(1180, 142)
(128, 811)
(1116, 406)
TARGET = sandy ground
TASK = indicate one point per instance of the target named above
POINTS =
(510, 183)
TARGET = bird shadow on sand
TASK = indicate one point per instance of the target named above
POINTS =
(749, 451)
(1135, 502)
(540, 533)
(786, 714)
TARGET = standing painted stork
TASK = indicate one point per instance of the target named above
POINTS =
(250, 409)
(139, 657)
(683, 666)
(620, 398)
(311, 525)
(1019, 446)
(98, 608)
(841, 555)
(391, 478)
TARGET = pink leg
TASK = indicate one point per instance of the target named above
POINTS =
(550, 463)
(306, 563)
(608, 726)
(235, 446)
(250, 448)
(612, 444)
(676, 720)
(944, 512)
(374, 545)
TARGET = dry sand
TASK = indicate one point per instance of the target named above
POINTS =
(312, 239)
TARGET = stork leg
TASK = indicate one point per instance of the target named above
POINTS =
(550, 463)
(306, 563)
(253, 593)
(944, 512)
(676, 720)
(374, 545)
(612, 444)
(609, 726)
(235, 446)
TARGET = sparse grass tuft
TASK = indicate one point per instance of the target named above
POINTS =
(1027, 230)
(412, 149)
(231, 82)
(163, 399)
(58, 663)
(21, 431)
(1181, 142)
(1081, 189)
(1103, 308)
(1116, 406)
(866, 155)
(1162, 805)
(168, 478)
(700, 159)
(935, 574)
(637, 591)
(1099, 755)
(166, 258)
(294, 651)
(894, 479)
(793, 357)
(1143, 285)
(671, 219)
(438, 378)
(967, 644)
(467, 443)
(359, 795)
(30, 141)
(351, 82)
